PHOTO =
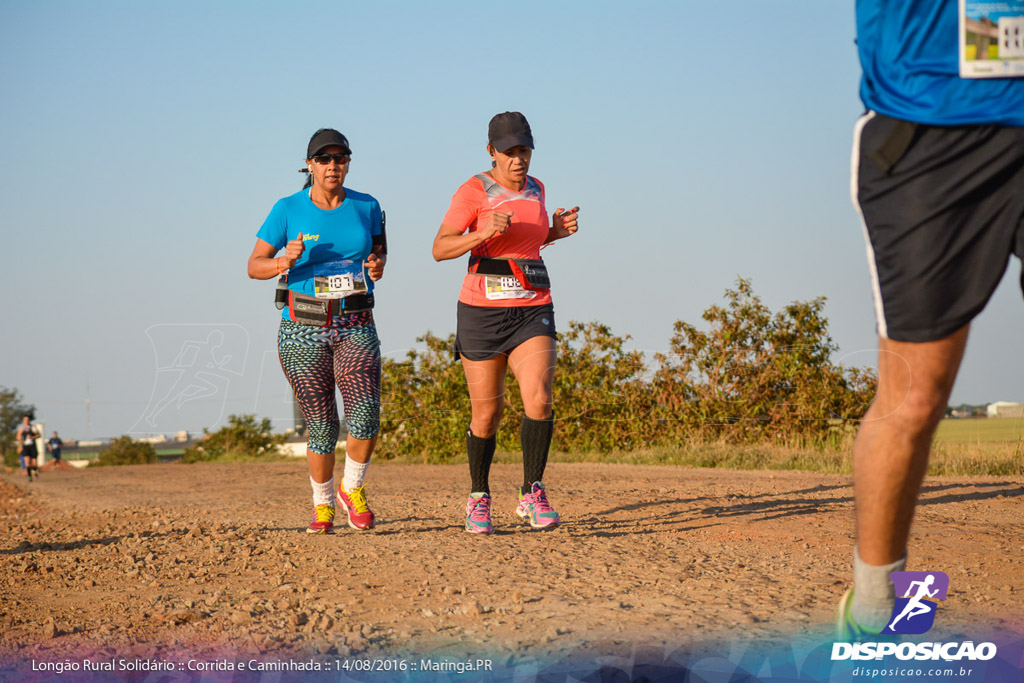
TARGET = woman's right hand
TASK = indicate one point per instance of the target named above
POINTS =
(293, 251)
(497, 224)
(453, 242)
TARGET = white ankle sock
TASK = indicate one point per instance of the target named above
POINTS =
(355, 473)
(874, 595)
(323, 493)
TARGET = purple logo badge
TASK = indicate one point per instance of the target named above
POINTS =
(917, 596)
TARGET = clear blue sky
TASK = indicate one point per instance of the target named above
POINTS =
(144, 143)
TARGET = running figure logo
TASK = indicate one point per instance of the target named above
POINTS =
(914, 613)
(194, 363)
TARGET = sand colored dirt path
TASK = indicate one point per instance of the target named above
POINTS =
(140, 560)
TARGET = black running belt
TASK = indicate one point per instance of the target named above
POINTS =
(483, 265)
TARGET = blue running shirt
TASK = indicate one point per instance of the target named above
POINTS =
(343, 233)
(909, 51)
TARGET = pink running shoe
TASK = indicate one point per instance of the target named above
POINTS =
(323, 520)
(535, 508)
(354, 502)
(478, 515)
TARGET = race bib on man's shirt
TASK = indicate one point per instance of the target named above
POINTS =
(991, 39)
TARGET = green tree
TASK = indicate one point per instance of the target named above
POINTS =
(425, 406)
(601, 401)
(243, 438)
(755, 375)
(12, 409)
(125, 451)
(424, 403)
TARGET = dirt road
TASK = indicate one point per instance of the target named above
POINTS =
(140, 561)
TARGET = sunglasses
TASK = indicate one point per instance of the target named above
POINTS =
(324, 159)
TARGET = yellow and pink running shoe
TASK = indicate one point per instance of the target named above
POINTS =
(354, 502)
(323, 520)
(478, 514)
(535, 508)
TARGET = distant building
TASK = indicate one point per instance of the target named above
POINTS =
(1005, 409)
(965, 410)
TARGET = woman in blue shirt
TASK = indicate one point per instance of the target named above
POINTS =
(333, 252)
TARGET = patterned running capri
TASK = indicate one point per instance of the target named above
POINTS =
(314, 359)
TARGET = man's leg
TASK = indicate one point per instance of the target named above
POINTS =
(890, 457)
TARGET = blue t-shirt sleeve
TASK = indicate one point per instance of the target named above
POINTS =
(376, 218)
(274, 230)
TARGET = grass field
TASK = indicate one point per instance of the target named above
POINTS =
(962, 447)
(992, 446)
(981, 430)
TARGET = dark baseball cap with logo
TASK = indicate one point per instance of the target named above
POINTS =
(509, 129)
(324, 138)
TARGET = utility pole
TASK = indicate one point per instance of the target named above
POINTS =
(88, 413)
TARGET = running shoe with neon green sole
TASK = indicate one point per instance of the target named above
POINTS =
(323, 520)
(848, 630)
(360, 516)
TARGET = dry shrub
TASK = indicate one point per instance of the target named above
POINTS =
(241, 439)
(754, 377)
(125, 451)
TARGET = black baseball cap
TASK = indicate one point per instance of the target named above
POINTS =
(326, 137)
(509, 129)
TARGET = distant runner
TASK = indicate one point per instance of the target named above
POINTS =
(27, 436)
(505, 314)
(334, 250)
(53, 446)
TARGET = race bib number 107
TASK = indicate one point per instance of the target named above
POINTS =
(338, 279)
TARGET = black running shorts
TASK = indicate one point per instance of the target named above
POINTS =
(485, 331)
(943, 210)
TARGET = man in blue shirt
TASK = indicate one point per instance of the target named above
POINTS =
(938, 166)
(54, 445)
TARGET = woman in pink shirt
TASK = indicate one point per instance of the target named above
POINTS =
(505, 314)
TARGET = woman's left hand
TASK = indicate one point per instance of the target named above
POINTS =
(374, 265)
(564, 223)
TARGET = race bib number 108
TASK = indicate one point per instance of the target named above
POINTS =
(498, 287)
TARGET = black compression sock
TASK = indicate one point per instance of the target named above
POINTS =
(535, 438)
(481, 453)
